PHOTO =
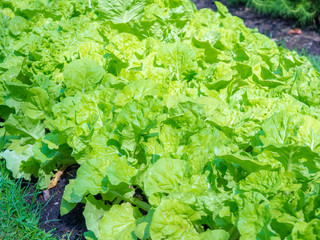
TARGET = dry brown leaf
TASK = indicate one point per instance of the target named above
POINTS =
(295, 31)
(56, 178)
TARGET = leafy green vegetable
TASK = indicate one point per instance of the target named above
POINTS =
(122, 11)
(185, 123)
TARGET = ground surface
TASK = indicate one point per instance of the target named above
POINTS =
(73, 223)
(70, 226)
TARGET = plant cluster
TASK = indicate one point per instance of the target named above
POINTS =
(185, 123)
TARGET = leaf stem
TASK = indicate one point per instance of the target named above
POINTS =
(290, 160)
(3, 139)
(234, 233)
(143, 205)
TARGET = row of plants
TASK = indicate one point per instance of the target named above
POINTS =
(185, 123)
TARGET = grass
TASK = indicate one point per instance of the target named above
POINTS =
(18, 218)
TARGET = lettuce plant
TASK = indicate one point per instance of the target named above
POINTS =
(185, 123)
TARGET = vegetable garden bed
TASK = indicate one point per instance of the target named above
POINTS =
(185, 124)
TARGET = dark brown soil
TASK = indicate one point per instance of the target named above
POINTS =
(275, 28)
(70, 226)
(73, 223)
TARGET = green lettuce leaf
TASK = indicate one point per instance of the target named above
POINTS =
(174, 220)
(25, 126)
(119, 222)
(14, 161)
(122, 11)
(82, 75)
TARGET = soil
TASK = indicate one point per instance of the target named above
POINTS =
(70, 226)
(73, 224)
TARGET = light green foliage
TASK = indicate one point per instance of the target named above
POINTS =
(185, 123)
(122, 11)
(118, 223)
(174, 220)
(81, 76)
